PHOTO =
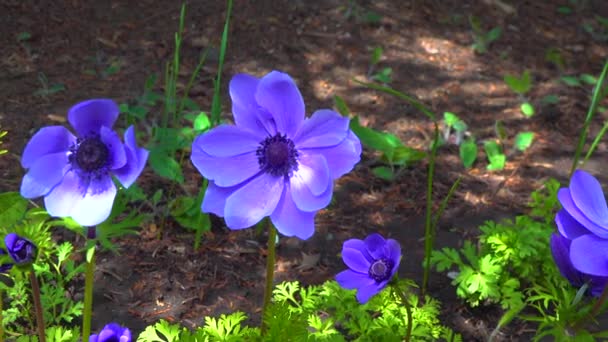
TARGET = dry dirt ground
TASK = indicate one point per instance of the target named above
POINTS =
(324, 45)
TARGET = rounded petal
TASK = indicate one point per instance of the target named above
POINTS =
(355, 259)
(245, 109)
(376, 246)
(89, 116)
(291, 221)
(88, 209)
(44, 174)
(364, 293)
(136, 160)
(589, 254)
(117, 154)
(394, 254)
(107, 335)
(93, 338)
(215, 198)
(226, 171)
(588, 196)
(565, 199)
(228, 141)
(279, 95)
(311, 188)
(48, 140)
(359, 245)
(324, 128)
(350, 279)
(340, 158)
(569, 227)
(560, 249)
(253, 201)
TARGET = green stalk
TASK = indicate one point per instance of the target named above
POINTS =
(270, 261)
(37, 306)
(429, 236)
(408, 310)
(590, 114)
(216, 102)
(88, 293)
(1, 325)
(596, 141)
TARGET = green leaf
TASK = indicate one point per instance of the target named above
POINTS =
(501, 131)
(165, 166)
(187, 212)
(384, 142)
(550, 99)
(404, 155)
(554, 56)
(201, 123)
(23, 36)
(495, 156)
(384, 172)
(527, 109)
(376, 55)
(519, 84)
(468, 153)
(523, 140)
(383, 76)
(341, 106)
(571, 81)
(493, 34)
(450, 119)
(12, 208)
(589, 79)
(564, 10)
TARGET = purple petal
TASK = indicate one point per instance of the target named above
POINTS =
(324, 128)
(364, 293)
(107, 335)
(117, 154)
(279, 95)
(568, 204)
(92, 208)
(340, 158)
(359, 245)
(350, 279)
(560, 249)
(215, 198)
(253, 201)
(568, 226)
(597, 284)
(226, 171)
(311, 188)
(589, 254)
(93, 338)
(291, 221)
(355, 259)
(376, 246)
(48, 140)
(588, 196)
(44, 174)
(136, 160)
(245, 109)
(89, 116)
(394, 250)
(228, 141)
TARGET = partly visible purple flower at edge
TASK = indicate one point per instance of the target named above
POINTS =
(20, 249)
(584, 221)
(372, 264)
(74, 173)
(274, 161)
(560, 249)
(4, 268)
(112, 332)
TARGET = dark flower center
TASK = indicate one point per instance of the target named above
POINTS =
(91, 154)
(277, 155)
(380, 270)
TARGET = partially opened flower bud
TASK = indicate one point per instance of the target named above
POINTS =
(21, 250)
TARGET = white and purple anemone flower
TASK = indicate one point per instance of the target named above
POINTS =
(274, 161)
(560, 249)
(372, 264)
(584, 220)
(74, 174)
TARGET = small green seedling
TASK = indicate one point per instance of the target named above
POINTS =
(384, 74)
(555, 57)
(521, 85)
(47, 89)
(482, 39)
(453, 122)
(495, 155)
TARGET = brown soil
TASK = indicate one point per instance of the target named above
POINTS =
(428, 46)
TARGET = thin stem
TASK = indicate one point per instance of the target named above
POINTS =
(429, 231)
(270, 260)
(88, 294)
(37, 306)
(1, 325)
(408, 311)
(594, 310)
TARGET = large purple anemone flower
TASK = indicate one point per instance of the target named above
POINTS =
(584, 220)
(74, 174)
(372, 264)
(112, 333)
(560, 249)
(274, 161)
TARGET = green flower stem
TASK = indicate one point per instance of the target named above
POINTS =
(429, 228)
(88, 294)
(270, 260)
(37, 306)
(408, 310)
(1, 325)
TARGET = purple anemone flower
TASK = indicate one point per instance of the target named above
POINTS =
(274, 161)
(372, 264)
(74, 174)
(112, 333)
(584, 220)
(4, 268)
(21, 250)
(560, 248)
